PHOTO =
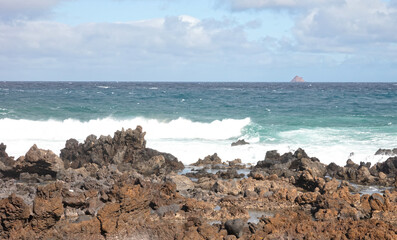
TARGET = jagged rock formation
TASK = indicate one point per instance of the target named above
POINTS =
(239, 143)
(127, 149)
(289, 164)
(102, 189)
(211, 160)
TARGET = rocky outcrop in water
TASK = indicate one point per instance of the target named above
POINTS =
(383, 173)
(239, 143)
(211, 160)
(289, 164)
(386, 151)
(127, 150)
(297, 79)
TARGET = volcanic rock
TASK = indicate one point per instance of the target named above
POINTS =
(14, 214)
(209, 160)
(235, 227)
(386, 151)
(127, 150)
(297, 79)
(4, 158)
(43, 163)
(239, 143)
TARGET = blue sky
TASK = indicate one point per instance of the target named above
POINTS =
(206, 40)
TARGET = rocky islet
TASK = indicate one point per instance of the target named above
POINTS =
(116, 188)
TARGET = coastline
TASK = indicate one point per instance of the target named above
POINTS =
(116, 187)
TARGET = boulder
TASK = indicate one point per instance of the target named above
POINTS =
(386, 151)
(235, 227)
(38, 161)
(209, 160)
(47, 206)
(127, 150)
(14, 213)
(4, 158)
(388, 167)
(182, 183)
(239, 143)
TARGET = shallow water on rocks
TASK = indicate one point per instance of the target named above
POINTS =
(361, 189)
(255, 215)
(214, 222)
(193, 169)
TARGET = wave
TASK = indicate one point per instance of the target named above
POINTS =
(189, 140)
(19, 135)
(339, 144)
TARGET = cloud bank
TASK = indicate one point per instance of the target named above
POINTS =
(333, 35)
(129, 49)
(22, 9)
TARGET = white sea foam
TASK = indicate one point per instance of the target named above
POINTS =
(20, 135)
(189, 140)
(338, 145)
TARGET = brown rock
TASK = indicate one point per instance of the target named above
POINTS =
(297, 79)
(47, 206)
(14, 214)
(377, 202)
(208, 160)
(42, 162)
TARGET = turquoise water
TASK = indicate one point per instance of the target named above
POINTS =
(191, 120)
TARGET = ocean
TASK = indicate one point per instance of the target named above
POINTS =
(330, 121)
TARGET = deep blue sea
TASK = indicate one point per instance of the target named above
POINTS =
(332, 121)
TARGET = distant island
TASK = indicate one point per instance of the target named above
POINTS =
(297, 79)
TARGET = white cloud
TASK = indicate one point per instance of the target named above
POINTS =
(171, 44)
(334, 26)
(25, 9)
(354, 26)
(240, 5)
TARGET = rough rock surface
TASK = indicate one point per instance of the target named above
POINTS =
(239, 142)
(289, 164)
(297, 79)
(208, 160)
(115, 196)
(127, 150)
(386, 151)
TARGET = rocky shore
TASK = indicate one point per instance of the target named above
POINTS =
(116, 188)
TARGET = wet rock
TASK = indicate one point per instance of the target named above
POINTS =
(301, 164)
(235, 227)
(208, 160)
(201, 173)
(388, 167)
(4, 158)
(127, 150)
(351, 164)
(386, 151)
(236, 163)
(229, 174)
(163, 210)
(288, 164)
(239, 143)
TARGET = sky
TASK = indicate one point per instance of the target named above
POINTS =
(205, 40)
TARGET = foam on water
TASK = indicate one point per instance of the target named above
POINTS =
(189, 140)
(20, 135)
